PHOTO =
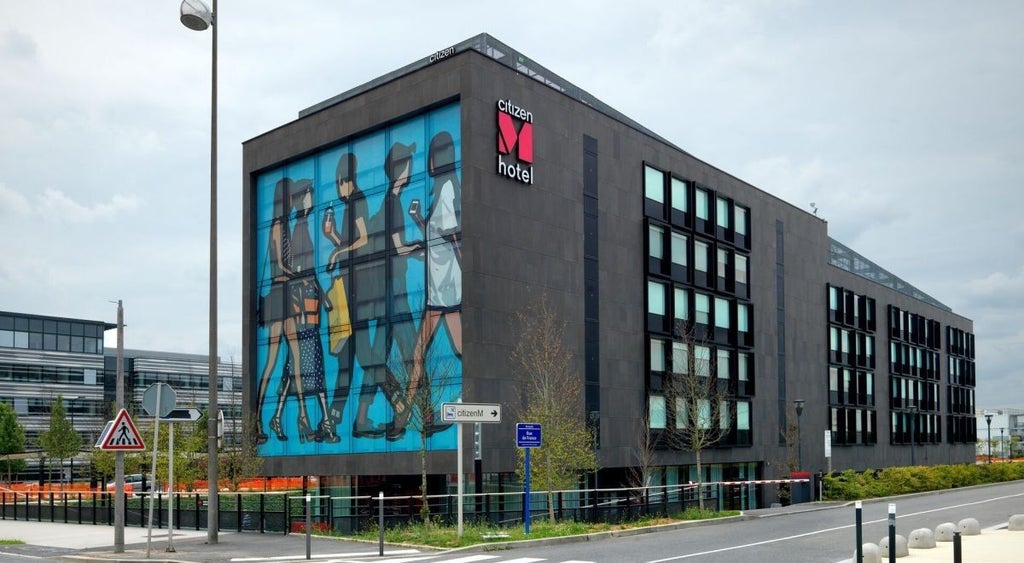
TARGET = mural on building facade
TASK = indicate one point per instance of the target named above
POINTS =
(358, 270)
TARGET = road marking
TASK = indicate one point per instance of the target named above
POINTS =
(825, 531)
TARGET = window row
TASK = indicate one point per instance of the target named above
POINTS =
(961, 429)
(699, 315)
(144, 379)
(42, 406)
(852, 426)
(849, 387)
(48, 374)
(913, 393)
(733, 369)
(851, 348)
(959, 342)
(688, 205)
(906, 359)
(51, 342)
(914, 328)
(50, 326)
(909, 427)
(961, 372)
(960, 400)
(850, 309)
(697, 261)
(732, 418)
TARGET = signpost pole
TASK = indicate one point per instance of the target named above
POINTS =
(458, 444)
(526, 492)
(170, 491)
(152, 474)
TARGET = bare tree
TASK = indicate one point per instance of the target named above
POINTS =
(696, 397)
(639, 474)
(552, 395)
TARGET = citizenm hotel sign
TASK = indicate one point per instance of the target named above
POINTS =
(515, 142)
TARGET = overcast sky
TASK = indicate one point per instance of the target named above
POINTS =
(902, 121)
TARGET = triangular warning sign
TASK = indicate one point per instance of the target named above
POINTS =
(123, 435)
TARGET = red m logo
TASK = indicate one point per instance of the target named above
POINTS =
(508, 137)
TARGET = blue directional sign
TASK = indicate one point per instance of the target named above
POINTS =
(528, 435)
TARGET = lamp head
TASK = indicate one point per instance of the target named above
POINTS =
(988, 418)
(799, 403)
(196, 15)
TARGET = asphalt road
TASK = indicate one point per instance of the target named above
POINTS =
(818, 536)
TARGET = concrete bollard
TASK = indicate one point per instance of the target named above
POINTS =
(944, 531)
(1016, 523)
(921, 538)
(969, 527)
(871, 554)
(901, 546)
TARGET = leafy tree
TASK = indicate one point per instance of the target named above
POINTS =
(60, 441)
(424, 404)
(696, 397)
(241, 461)
(552, 395)
(190, 450)
(12, 440)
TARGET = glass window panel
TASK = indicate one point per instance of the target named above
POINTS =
(7, 338)
(741, 220)
(656, 242)
(656, 413)
(721, 313)
(702, 360)
(742, 367)
(723, 263)
(743, 317)
(679, 249)
(742, 415)
(657, 355)
(722, 364)
(21, 339)
(702, 305)
(700, 256)
(682, 414)
(702, 204)
(704, 413)
(680, 358)
(682, 310)
(741, 268)
(679, 195)
(655, 298)
(654, 184)
(722, 213)
(723, 415)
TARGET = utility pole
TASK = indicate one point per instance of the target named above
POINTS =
(119, 455)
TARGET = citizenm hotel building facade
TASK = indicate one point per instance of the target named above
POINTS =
(393, 232)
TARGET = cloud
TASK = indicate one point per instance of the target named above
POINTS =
(56, 205)
(16, 46)
(12, 203)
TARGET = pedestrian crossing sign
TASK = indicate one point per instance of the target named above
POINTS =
(122, 435)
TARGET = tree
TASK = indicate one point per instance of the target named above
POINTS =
(190, 451)
(241, 460)
(697, 398)
(60, 441)
(552, 395)
(640, 473)
(12, 440)
(424, 404)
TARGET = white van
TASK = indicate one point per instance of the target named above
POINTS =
(132, 484)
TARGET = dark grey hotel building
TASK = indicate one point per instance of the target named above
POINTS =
(399, 226)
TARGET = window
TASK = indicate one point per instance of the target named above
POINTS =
(741, 269)
(741, 220)
(680, 358)
(703, 413)
(701, 203)
(656, 242)
(679, 249)
(655, 298)
(654, 184)
(682, 414)
(722, 213)
(702, 360)
(679, 195)
(700, 256)
(742, 370)
(723, 263)
(742, 415)
(722, 313)
(722, 364)
(656, 411)
(657, 355)
(743, 317)
(702, 305)
(681, 304)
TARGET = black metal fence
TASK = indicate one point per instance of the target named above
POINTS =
(274, 512)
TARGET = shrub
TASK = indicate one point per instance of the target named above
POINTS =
(853, 485)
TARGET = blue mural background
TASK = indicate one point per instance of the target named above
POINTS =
(298, 308)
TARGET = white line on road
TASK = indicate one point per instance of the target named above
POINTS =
(827, 530)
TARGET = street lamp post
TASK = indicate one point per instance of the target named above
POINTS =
(913, 431)
(197, 16)
(799, 404)
(988, 420)
(1002, 447)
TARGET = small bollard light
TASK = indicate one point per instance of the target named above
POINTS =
(380, 520)
(892, 531)
(860, 532)
(309, 527)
